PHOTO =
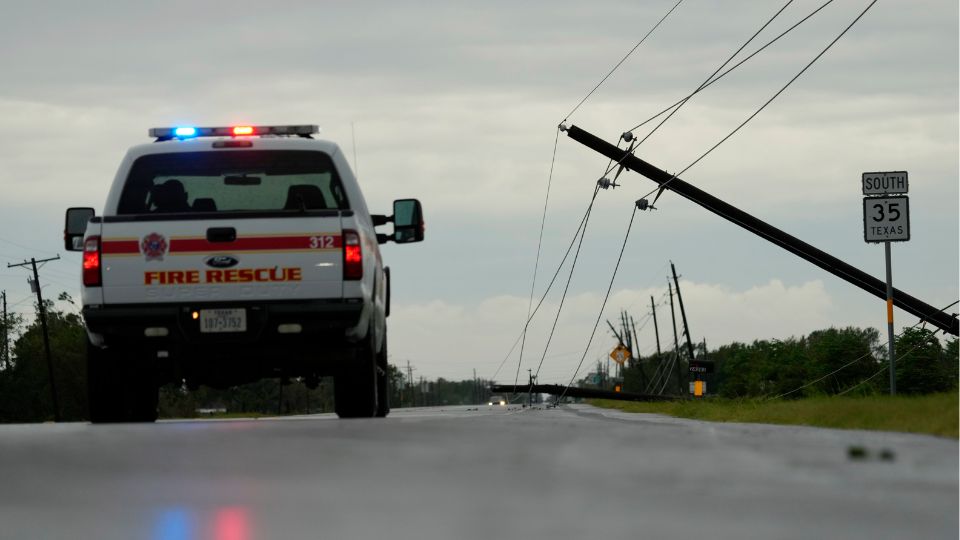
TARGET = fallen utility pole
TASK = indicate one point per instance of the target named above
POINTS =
(43, 325)
(944, 321)
(577, 392)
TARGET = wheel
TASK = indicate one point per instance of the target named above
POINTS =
(383, 382)
(355, 386)
(119, 388)
(104, 390)
(143, 394)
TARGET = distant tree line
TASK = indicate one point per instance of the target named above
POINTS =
(842, 358)
(25, 394)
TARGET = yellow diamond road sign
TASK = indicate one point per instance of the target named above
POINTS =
(620, 355)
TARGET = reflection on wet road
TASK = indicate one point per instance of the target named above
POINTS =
(465, 472)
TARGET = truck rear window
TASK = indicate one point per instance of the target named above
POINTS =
(232, 181)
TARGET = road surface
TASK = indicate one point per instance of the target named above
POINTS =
(574, 472)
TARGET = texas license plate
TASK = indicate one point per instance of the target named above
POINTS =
(223, 320)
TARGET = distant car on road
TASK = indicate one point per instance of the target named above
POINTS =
(497, 400)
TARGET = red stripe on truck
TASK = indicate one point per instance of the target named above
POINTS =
(189, 245)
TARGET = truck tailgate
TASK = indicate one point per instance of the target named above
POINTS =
(222, 260)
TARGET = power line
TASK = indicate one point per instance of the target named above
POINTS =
(886, 367)
(622, 60)
(704, 83)
(733, 67)
(573, 266)
(536, 264)
(764, 106)
(841, 368)
(650, 285)
(720, 76)
(549, 286)
(603, 306)
(21, 246)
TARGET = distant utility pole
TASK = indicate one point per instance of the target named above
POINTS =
(6, 339)
(683, 313)
(43, 325)
(530, 388)
(656, 331)
(413, 394)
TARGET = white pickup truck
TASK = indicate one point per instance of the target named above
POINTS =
(229, 254)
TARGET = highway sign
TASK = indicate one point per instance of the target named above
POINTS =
(885, 183)
(620, 354)
(886, 219)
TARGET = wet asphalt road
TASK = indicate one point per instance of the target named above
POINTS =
(575, 472)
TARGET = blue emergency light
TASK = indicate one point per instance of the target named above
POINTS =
(185, 132)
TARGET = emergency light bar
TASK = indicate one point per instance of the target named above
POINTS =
(189, 132)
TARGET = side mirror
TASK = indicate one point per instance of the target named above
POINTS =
(75, 227)
(407, 221)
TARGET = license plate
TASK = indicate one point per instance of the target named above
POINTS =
(223, 320)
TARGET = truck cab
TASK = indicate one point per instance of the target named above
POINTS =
(226, 255)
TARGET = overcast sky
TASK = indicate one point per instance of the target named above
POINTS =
(457, 104)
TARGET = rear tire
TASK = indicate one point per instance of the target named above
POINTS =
(121, 387)
(104, 390)
(383, 382)
(355, 386)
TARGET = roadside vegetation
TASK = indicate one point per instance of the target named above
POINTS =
(836, 378)
(934, 414)
(25, 394)
(833, 361)
(782, 381)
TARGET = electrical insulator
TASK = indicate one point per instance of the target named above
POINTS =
(606, 183)
(643, 204)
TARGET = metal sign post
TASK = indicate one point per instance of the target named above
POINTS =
(893, 358)
(886, 219)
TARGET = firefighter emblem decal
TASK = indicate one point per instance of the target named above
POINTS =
(154, 247)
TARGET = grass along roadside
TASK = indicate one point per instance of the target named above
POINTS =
(934, 414)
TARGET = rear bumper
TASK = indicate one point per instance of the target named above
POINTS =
(317, 318)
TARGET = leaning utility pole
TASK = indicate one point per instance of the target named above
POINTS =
(676, 342)
(43, 325)
(683, 313)
(656, 331)
(945, 321)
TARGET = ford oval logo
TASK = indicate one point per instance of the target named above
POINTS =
(221, 261)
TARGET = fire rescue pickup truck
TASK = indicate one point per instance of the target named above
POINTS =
(226, 255)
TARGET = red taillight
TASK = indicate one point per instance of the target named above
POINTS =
(91, 261)
(352, 256)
